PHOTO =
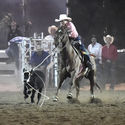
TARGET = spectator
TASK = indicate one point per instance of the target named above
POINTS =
(13, 49)
(49, 39)
(48, 43)
(28, 28)
(95, 49)
(14, 31)
(109, 57)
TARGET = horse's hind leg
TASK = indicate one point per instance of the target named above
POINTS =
(77, 87)
(32, 96)
(91, 79)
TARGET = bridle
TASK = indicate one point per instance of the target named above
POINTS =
(61, 45)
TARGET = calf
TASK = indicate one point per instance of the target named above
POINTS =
(33, 80)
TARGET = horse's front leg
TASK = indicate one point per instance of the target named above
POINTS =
(62, 78)
(72, 85)
(77, 85)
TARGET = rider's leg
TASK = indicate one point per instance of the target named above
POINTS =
(87, 63)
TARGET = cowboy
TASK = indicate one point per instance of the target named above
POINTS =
(75, 39)
(109, 57)
(48, 41)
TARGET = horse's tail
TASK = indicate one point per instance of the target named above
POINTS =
(98, 86)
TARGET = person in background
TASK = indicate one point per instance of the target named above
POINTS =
(95, 49)
(13, 50)
(109, 58)
(14, 31)
(40, 58)
(75, 40)
(49, 39)
(48, 44)
(28, 28)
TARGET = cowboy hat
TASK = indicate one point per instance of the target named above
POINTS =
(108, 36)
(50, 28)
(63, 17)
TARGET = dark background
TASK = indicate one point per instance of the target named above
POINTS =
(99, 17)
(42, 14)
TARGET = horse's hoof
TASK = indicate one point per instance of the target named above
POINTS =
(69, 96)
(55, 99)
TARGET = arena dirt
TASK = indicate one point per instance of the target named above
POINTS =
(108, 109)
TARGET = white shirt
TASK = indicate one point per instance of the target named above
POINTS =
(47, 43)
(96, 50)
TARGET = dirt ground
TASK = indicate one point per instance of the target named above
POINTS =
(108, 109)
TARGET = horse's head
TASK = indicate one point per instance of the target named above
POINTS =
(61, 37)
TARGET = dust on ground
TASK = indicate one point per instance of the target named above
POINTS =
(110, 110)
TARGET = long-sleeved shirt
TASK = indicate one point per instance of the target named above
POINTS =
(96, 50)
(72, 29)
(109, 53)
(38, 57)
(47, 43)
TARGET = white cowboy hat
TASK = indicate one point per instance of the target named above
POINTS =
(108, 36)
(63, 17)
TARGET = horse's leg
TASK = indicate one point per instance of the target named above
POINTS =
(32, 96)
(69, 96)
(77, 87)
(77, 81)
(39, 95)
(91, 79)
(62, 77)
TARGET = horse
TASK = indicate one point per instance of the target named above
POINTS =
(33, 81)
(70, 64)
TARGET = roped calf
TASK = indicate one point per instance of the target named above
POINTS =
(33, 81)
